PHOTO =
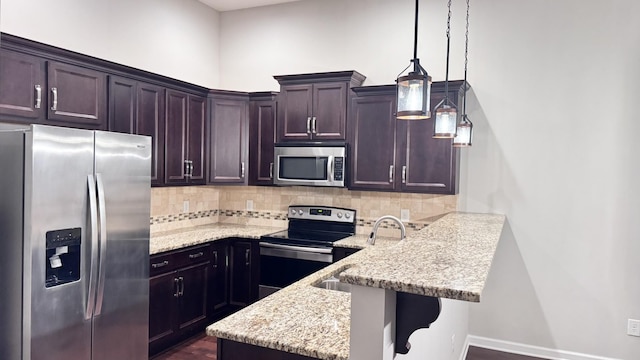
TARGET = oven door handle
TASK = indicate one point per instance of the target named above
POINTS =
(296, 248)
(296, 252)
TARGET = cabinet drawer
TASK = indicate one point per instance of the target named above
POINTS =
(170, 261)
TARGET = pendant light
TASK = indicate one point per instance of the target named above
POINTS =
(464, 134)
(413, 90)
(446, 111)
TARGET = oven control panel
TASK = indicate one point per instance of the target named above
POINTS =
(322, 213)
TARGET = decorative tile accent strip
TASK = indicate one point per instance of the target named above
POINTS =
(268, 215)
(184, 216)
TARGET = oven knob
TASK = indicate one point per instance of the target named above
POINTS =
(347, 215)
(300, 212)
(339, 215)
(293, 211)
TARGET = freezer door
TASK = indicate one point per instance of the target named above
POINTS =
(58, 164)
(121, 316)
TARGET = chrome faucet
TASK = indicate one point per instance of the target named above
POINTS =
(372, 236)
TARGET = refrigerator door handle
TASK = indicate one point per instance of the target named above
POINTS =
(93, 267)
(102, 207)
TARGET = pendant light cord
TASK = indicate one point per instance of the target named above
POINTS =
(415, 39)
(466, 62)
(446, 80)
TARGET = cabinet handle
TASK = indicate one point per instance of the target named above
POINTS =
(176, 285)
(242, 169)
(181, 292)
(391, 173)
(313, 125)
(186, 168)
(247, 254)
(226, 261)
(215, 259)
(271, 171)
(309, 125)
(38, 96)
(190, 168)
(159, 265)
(404, 174)
(54, 94)
(195, 256)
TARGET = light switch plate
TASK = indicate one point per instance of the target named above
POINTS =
(249, 205)
(185, 206)
(404, 214)
(633, 327)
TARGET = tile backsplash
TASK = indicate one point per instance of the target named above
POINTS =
(229, 204)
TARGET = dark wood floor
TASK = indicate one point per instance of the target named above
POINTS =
(476, 353)
(199, 347)
(203, 347)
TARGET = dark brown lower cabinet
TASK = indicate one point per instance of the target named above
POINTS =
(340, 253)
(192, 287)
(178, 296)
(232, 350)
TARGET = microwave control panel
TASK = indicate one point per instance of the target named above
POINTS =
(338, 169)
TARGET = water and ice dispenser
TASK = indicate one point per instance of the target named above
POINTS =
(63, 256)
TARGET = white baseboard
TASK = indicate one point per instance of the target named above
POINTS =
(523, 349)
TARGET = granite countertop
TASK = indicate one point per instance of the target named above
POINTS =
(177, 239)
(360, 242)
(450, 258)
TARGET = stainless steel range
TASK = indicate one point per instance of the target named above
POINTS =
(305, 247)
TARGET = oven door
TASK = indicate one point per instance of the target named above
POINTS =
(282, 265)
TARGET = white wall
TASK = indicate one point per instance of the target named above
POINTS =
(555, 81)
(175, 38)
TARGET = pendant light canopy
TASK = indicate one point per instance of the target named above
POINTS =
(464, 135)
(446, 111)
(413, 90)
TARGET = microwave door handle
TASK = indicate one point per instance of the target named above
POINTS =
(330, 169)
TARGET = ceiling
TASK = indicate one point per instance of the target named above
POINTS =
(227, 5)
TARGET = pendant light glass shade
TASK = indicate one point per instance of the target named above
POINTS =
(413, 90)
(414, 95)
(464, 134)
(446, 121)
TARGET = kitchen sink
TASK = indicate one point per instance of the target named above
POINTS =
(333, 283)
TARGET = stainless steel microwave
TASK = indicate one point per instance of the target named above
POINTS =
(312, 164)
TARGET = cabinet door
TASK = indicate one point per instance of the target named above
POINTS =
(150, 122)
(192, 298)
(175, 137)
(262, 136)
(218, 283)
(329, 111)
(294, 122)
(163, 296)
(76, 96)
(372, 132)
(244, 273)
(428, 165)
(122, 105)
(228, 133)
(20, 78)
(195, 138)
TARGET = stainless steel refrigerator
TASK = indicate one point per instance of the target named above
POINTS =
(74, 244)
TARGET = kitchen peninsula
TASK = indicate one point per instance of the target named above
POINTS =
(449, 259)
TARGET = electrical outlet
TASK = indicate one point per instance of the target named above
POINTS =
(404, 214)
(633, 327)
(185, 206)
(249, 205)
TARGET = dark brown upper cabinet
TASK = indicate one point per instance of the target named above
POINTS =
(314, 106)
(228, 133)
(262, 137)
(138, 108)
(76, 95)
(185, 117)
(22, 86)
(71, 95)
(400, 155)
